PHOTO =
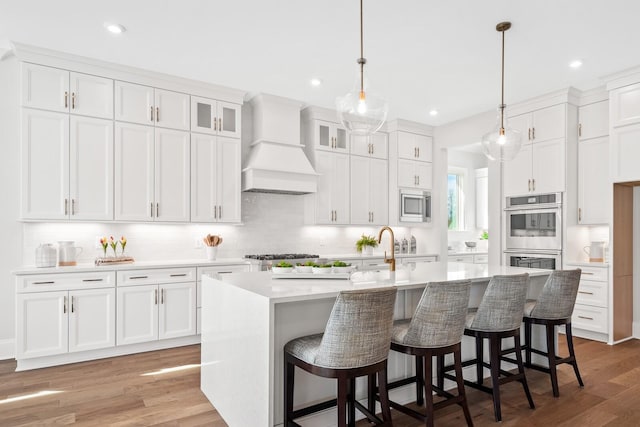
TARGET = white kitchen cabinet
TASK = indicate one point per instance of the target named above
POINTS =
(152, 173)
(594, 190)
(375, 145)
(177, 310)
(59, 90)
(148, 106)
(58, 322)
(415, 174)
(412, 146)
(369, 191)
(332, 199)
(330, 136)
(625, 152)
(593, 120)
(538, 168)
(215, 179)
(215, 117)
(590, 313)
(137, 314)
(67, 166)
(541, 125)
(172, 175)
(461, 258)
(625, 105)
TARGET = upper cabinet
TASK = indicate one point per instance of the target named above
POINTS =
(215, 117)
(370, 146)
(541, 125)
(330, 136)
(53, 89)
(625, 133)
(369, 192)
(593, 120)
(148, 106)
(413, 146)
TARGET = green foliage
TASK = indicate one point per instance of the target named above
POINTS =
(366, 241)
(484, 235)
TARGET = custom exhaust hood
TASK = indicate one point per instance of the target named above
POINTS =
(276, 162)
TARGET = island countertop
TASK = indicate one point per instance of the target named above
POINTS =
(405, 277)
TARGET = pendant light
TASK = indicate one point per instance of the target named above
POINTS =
(502, 143)
(361, 111)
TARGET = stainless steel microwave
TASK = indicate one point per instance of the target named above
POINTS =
(415, 206)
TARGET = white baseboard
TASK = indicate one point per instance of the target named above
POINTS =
(7, 349)
(636, 330)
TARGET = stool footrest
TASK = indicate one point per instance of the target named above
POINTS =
(402, 382)
(315, 408)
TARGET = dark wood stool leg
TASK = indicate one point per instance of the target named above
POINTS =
(516, 340)
(289, 372)
(440, 371)
(371, 393)
(527, 341)
(551, 357)
(384, 396)
(343, 385)
(419, 381)
(572, 354)
(479, 356)
(351, 406)
(457, 363)
(428, 389)
(494, 358)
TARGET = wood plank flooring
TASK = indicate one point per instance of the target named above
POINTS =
(114, 392)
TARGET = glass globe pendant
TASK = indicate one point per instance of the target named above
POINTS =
(503, 143)
(360, 111)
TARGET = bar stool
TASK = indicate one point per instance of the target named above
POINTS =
(553, 307)
(498, 316)
(435, 329)
(355, 343)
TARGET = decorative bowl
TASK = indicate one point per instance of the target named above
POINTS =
(304, 268)
(280, 270)
(321, 270)
(347, 269)
(470, 244)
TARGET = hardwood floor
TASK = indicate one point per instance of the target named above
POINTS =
(114, 392)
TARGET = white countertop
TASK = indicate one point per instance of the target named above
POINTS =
(90, 267)
(588, 264)
(375, 255)
(287, 290)
(467, 252)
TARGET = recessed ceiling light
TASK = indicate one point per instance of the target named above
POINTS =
(316, 82)
(575, 64)
(433, 112)
(114, 28)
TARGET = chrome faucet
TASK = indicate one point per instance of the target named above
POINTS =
(392, 260)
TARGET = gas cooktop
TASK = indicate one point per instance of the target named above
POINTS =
(271, 257)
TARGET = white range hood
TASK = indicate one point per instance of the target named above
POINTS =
(277, 163)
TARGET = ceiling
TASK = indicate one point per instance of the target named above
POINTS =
(422, 54)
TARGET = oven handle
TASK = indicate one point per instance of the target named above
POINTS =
(525, 252)
(526, 208)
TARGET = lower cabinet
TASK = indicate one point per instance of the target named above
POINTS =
(58, 322)
(591, 312)
(152, 312)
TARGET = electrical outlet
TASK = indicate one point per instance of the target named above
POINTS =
(198, 243)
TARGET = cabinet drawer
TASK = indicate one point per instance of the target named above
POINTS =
(592, 293)
(480, 259)
(156, 276)
(590, 318)
(222, 269)
(592, 273)
(461, 258)
(65, 281)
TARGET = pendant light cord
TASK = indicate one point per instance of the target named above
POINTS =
(361, 60)
(502, 106)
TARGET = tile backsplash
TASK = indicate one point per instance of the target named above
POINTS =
(271, 223)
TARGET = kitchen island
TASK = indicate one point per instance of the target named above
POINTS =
(247, 318)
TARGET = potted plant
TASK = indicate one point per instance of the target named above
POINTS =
(366, 244)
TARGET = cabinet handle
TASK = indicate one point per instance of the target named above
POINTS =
(579, 129)
(64, 307)
(178, 275)
(151, 204)
(220, 212)
(66, 99)
(215, 123)
(215, 212)
(73, 206)
(157, 210)
(44, 283)
(156, 296)
(585, 317)
(73, 107)
(336, 215)
(418, 151)
(66, 206)
(586, 293)
(529, 184)
(332, 218)
(73, 310)
(92, 280)
(151, 113)
(220, 124)
(533, 135)
(584, 273)
(533, 181)
(579, 214)
(157, 114)
(529, 137)
(415, 152)
(162, 296)
(138, 277)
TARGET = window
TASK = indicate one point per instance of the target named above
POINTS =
(455, 198)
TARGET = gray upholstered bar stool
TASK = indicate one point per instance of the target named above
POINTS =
(355, 343)
(435, 329)
(553, 307)
(498, 316)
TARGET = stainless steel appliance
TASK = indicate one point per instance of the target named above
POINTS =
(548, 260)
(415, 206)
(264, 262)
(534, 222)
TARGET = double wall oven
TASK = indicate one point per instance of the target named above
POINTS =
(533, 236)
